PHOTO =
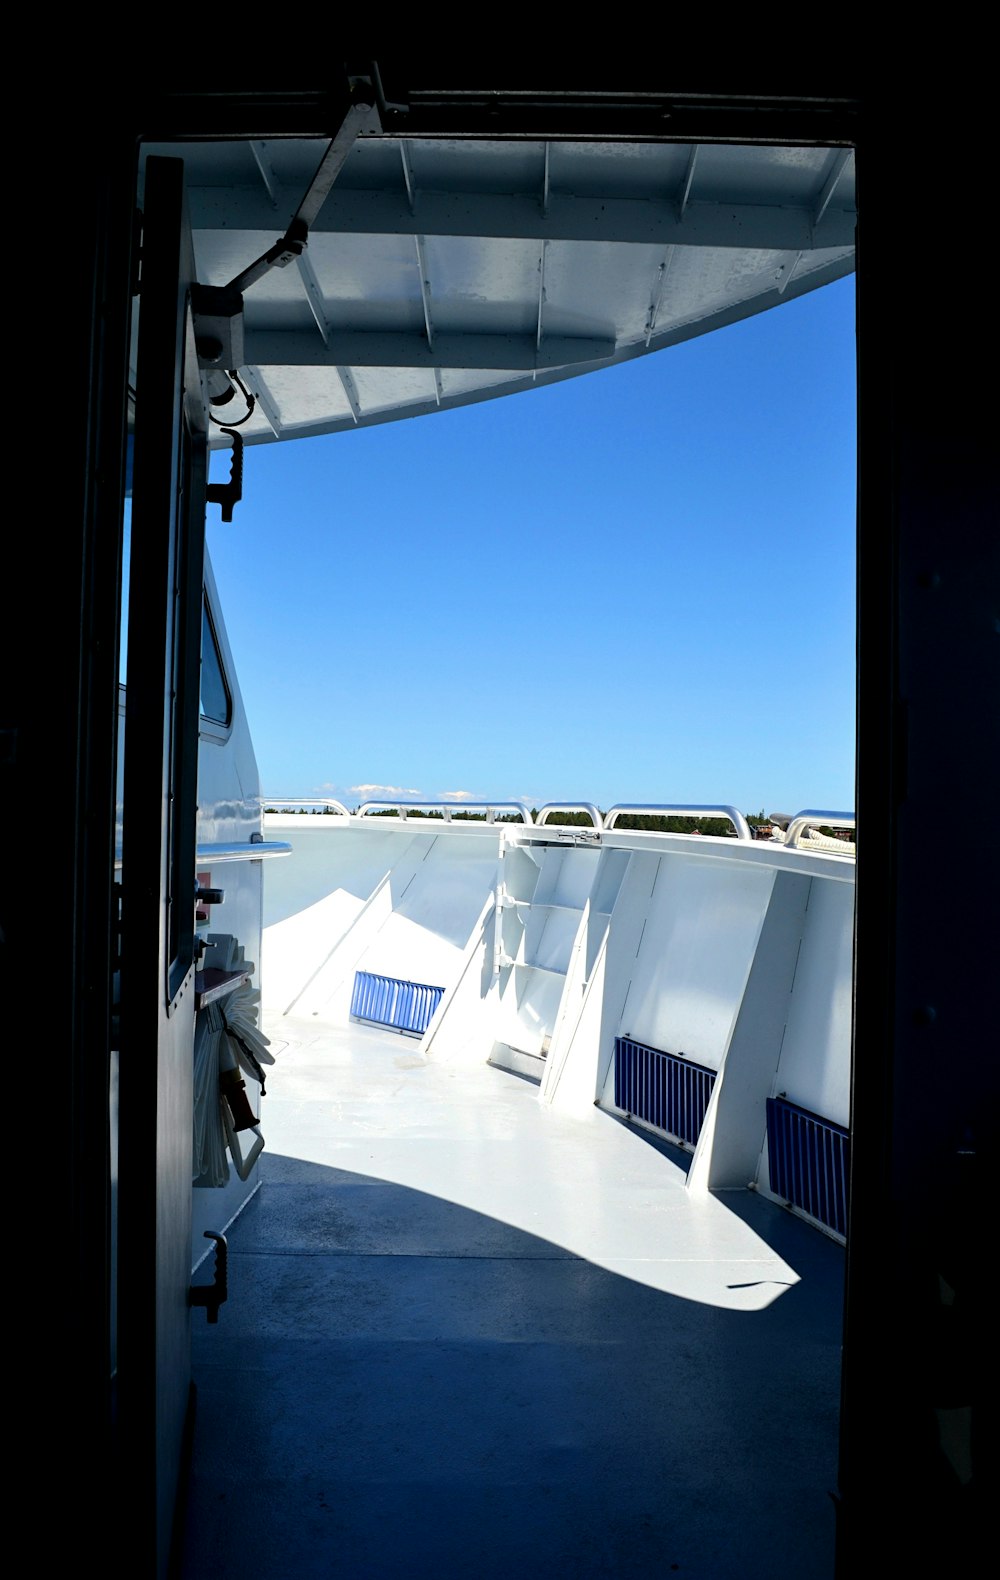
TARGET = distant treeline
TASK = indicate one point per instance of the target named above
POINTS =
(456, 817)
(649, 823)
(304, 811)
(469, 817)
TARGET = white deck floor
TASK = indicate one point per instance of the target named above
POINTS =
(469, 1336)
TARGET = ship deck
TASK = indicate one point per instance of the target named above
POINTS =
(469, 1335)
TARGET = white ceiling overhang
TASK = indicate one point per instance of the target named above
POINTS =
(442, 272)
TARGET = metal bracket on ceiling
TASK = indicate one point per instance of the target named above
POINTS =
(218, 325)
(362, 117)
(218, 309)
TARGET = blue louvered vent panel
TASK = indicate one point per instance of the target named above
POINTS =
(661, 1088)
(387, 1001)
(808, 1162)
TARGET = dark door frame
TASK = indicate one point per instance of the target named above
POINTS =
(924, 1117)
(155, 1089)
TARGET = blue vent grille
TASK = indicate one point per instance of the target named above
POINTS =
(666, 1091)
(808, 1159)
(387, 1001)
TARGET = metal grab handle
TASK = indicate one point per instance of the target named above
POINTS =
(737, 819)
(253, 850)
(229, 494)
(212, 1295)
(279, 803)
(569, 806)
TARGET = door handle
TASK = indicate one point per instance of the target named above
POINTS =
(212, 1295)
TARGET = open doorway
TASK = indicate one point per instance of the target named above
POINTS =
(611, 575)
(926, 635)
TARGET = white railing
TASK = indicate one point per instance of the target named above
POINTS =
(644, 809)
(798, 827)
(447, 809)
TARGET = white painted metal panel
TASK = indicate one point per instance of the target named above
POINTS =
(386, 389)
(295, 949)
(787, 175)
(630, 169)
(701, 930)
(456, 382)
(483, 285)
(729, 1143)
(298, 392)
(816, 1054)
(327, 993)
(405, 950)
(444, 164)
(448, 892)
(566, 876)
(368, 282)
(327, 857)
(398, 900)
(435, 911)
(549, 935)
(529, 1005)
(599, 288)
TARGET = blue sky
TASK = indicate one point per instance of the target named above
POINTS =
(637, 585)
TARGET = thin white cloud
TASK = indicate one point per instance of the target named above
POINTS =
(383, 790)
(459, 795)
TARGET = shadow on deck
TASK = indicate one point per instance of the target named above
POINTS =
(402, 1385)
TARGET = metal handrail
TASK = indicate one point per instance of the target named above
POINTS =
(447, 808)
(636, 809)
(253, 850)
(570, 806)
(232, 850)
(280, 802)
(802, 822)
